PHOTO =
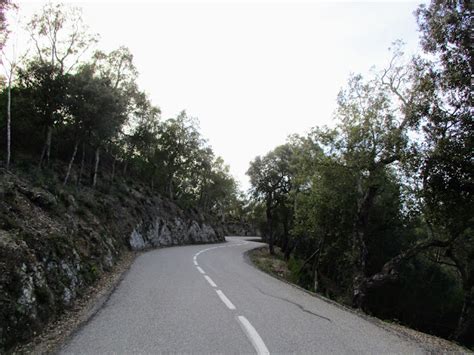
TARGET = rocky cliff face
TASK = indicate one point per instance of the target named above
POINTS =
(162, 232)
(54, 242)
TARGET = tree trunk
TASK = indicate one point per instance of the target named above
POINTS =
(125, 164)
(271, 246)
(170, 188)
(270, 227)
(82, 164)
(70, 163)
(464, 332)
(113, 169)
(48, 144)
(389, 271)
(9, 102)
(286, 240)
(96, 166)
(360, 250)
(315, 274)
(289, 248)
(47, 147)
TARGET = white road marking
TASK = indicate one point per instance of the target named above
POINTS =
(253, 336)
(247, 327)
(224, 299)
(212, 283)
(221, 246)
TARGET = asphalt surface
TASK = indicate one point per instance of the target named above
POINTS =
(166, 304)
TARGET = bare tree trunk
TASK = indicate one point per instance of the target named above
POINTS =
(113, 169)
(315, 274)
(125, 163)
(271, 246)
(96, 166)
(82, 163)
(170, 188)
(48, 143)
(270, 228)
(70, 163)
(287, 244)
(9, 101)
(43, 153)
(47, 147)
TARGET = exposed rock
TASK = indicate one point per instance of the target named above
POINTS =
(53, 247)
(136, 240)
(174, 231)
(40, 197)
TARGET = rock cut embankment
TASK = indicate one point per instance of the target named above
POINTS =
(56, 241)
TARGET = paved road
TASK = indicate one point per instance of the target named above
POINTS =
(209, 299)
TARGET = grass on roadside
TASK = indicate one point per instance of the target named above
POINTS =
(273, 264)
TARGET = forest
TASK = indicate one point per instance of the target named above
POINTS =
(77, 110)
(377, 211)
(374, 211)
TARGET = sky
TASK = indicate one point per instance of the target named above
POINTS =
(252, 72)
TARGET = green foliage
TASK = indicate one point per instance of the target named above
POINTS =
(89, 112)
(381, 204)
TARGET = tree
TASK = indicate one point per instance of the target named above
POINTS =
(141, 130)
(179, 146)
(10, 64)
(446, 155)
(270, 179)
(118, 66)
(46, 90)
(60, 38)
(5, 5)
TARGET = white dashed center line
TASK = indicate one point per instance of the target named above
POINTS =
(253, 336)
(247, 327)
(212, 283)
(224, 299)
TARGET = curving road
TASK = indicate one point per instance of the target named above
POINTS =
(209, 299)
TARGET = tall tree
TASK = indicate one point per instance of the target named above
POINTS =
(179, 145)
(60, 38)
(446, 153)
(10, 62)
(4, 6)
(271, 179)
(46, 89)
(118, 66)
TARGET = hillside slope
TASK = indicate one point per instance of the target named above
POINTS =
(55, 241)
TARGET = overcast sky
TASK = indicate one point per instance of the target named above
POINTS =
(252, 72)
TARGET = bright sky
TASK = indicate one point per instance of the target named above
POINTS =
(252, 72)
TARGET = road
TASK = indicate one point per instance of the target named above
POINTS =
(209, 299)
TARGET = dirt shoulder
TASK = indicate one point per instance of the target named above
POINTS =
(278, 268)
(57, 333)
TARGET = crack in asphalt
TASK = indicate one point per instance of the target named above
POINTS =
(295, 304)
